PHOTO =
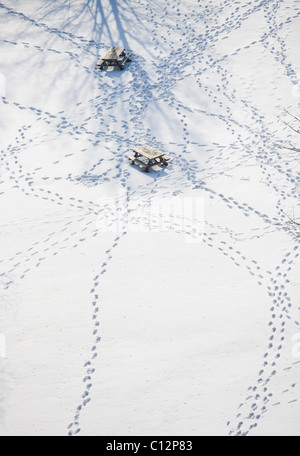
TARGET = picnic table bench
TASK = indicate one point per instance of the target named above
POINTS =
(116, 56)
(147, 156)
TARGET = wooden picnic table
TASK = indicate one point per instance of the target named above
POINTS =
(116, 56)
(152, 157)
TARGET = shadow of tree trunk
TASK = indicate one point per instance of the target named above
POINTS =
(118, 20)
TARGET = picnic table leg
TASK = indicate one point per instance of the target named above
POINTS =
(163, 161)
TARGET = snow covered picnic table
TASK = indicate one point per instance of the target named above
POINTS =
(116, 56)
(152, 156)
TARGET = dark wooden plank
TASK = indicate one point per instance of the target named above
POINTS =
(137, 161)
(125, 59)
(100, 64)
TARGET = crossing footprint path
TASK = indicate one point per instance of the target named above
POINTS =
(198, 87)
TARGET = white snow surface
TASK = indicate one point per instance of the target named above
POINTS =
(190, 328)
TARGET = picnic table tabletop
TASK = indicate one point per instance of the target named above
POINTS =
(148, 152)
(113, 53)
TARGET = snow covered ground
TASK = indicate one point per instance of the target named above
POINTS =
(149, 304)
